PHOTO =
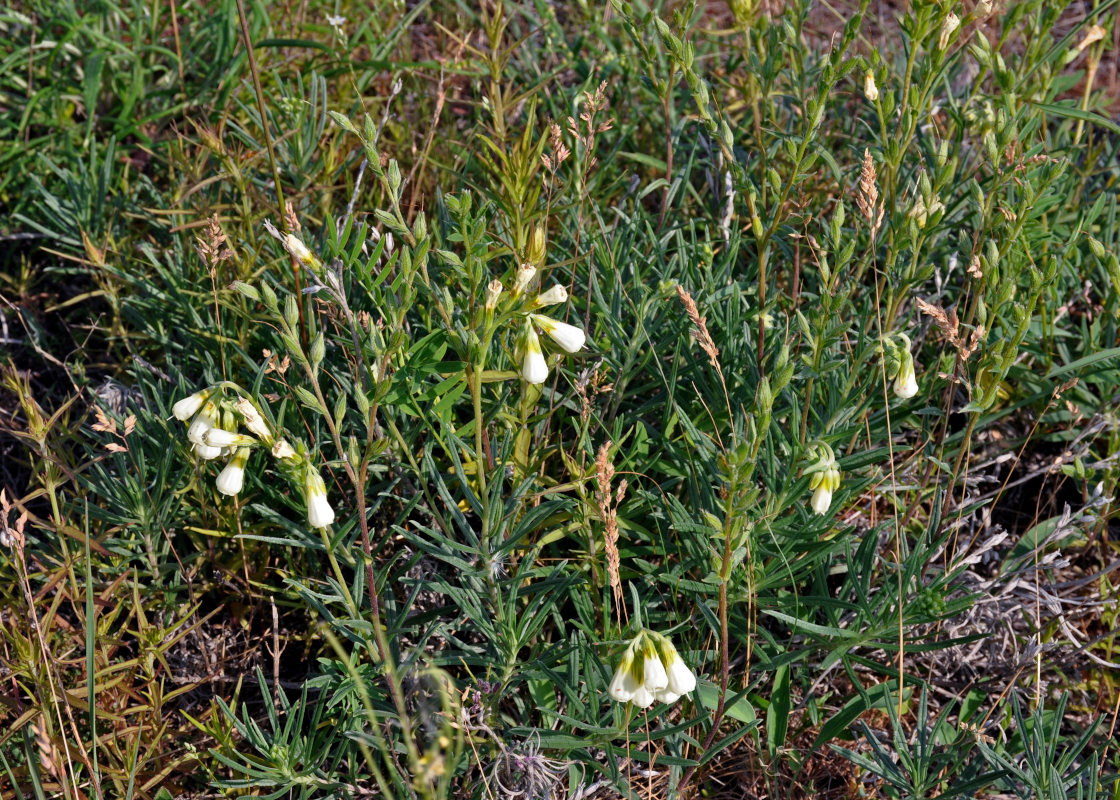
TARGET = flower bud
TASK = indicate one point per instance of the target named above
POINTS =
(283, 450)
(870, 90)
(824, 477)
(535, 252)
(557, 294)
(217, 437)
(298, 250)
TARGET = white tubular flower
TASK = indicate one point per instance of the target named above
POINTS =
(204, 420)
(822, 499)
(534, 369)
(870, 90)
(653, 671)
(217, 437)
(557, 294)
(624, 684)
(667, 696)
(681, 678)
(283, 450)
(951, 23)
(525, 274)
(189, 406)
(319, 511)
(570, 338)
(906, 383)
(253, 420)
(232, 478)
(643, 697)
(206, 452)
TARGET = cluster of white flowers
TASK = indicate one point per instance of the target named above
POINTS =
(824, 477)
(212, 429)
(569, 338)
(651, 669)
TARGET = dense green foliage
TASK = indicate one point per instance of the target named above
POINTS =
(843, 427)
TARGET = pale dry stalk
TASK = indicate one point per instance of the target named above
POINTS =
(608, 513)
(868, 197)
(701, 325)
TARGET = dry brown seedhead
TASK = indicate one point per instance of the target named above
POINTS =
(560, 151)
(868, 197)
(701, 328)
(608, 512)
(974, 268)
(213, 248)
(949, 326)
(105, 424)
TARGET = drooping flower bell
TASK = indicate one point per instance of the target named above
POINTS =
(232, 478)
(319, 511)
(824, 477)
(534, 369)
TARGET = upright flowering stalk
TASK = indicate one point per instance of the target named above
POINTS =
(899, 363)
(651, 670)
(824, 477)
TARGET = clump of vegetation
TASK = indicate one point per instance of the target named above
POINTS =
(549, 400)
